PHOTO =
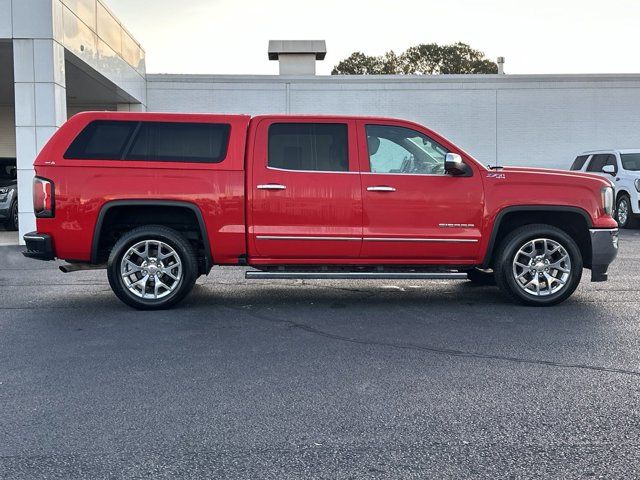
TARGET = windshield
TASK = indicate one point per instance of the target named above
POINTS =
(630, 161)
(7, 172)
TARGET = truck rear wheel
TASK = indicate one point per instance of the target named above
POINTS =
(152, 267)
(538, 265)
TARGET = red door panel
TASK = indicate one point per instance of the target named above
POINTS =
(420, 218)
(303, 214)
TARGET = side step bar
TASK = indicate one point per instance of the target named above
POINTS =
(258, 274)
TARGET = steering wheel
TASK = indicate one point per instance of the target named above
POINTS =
(438, 168)
(408, 165)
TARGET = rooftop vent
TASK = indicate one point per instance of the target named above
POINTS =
(297, 57)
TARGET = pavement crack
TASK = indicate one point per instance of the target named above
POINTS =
(436, 350)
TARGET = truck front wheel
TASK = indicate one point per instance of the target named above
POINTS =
(152, 267)
(624, 213)
(538, 265)
(12, 222)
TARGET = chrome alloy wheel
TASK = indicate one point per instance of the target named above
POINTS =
(623, 211)
(541, 267)
(151, 269)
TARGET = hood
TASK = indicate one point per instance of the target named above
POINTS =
(8, 182)
(556, 172)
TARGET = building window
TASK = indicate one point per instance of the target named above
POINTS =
(309, 146)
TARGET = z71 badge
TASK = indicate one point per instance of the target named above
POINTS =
(499, 176)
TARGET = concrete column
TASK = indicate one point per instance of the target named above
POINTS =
(41, 108)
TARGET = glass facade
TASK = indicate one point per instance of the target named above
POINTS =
(98, 33)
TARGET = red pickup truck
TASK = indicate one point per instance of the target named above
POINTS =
(158, 199)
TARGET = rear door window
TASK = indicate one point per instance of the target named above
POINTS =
(309, 146)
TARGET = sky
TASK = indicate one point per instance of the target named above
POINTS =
(231, 36)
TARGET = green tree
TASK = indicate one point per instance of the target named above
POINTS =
(423, 59)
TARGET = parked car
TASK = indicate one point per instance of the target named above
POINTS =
(158, 199)
(8, 193)
(622, 167)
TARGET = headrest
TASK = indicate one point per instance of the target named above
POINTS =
(373, 143)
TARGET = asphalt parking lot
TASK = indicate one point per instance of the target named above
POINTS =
(317, 379)
(7, 237)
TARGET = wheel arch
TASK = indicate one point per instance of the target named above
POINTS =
(621, 192)
(575, 221)
(188, 206)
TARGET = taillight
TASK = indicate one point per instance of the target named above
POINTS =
(43, 201)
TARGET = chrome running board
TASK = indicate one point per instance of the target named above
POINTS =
(284, 275)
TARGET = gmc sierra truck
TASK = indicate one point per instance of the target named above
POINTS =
(159, 199)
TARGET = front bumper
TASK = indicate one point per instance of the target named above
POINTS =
(5, 204)
(604, 248)
(38, 246)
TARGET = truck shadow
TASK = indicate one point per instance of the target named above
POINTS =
(340, 298)
(450, 296)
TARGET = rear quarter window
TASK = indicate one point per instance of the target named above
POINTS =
(151, 141)
(579, 162)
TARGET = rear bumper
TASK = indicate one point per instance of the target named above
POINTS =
(604, 248)
(38, 246)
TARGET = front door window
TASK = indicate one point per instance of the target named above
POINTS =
(401, 150)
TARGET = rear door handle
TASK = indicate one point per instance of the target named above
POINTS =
(381, 188)
(271, 186)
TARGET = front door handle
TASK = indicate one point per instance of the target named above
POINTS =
(381, 188)
(271, 186)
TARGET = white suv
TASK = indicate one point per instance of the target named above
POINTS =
(622, 167)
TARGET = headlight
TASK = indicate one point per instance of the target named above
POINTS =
(637, 183)
(5, 190)
(607, 200)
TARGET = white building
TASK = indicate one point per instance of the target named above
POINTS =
(58, 57)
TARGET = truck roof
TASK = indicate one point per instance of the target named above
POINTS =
(113, 115)
(609, 150)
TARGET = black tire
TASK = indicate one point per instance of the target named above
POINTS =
(630, 220)
(12, 222)
(170, 237)
(481, 277)
(507, 252)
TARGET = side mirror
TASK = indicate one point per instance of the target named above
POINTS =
(453, 165)
(610, 169)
